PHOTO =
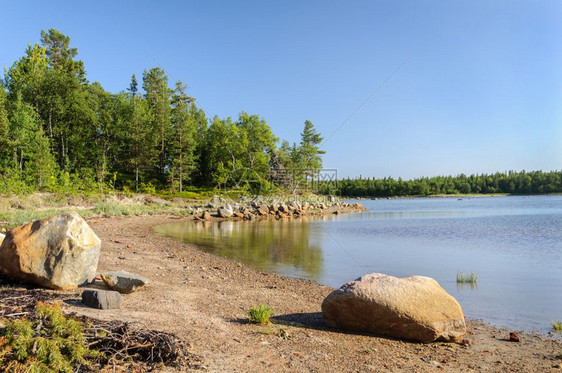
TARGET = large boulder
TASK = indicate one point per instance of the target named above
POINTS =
(123, 281)
(60, 252)
(413, 308)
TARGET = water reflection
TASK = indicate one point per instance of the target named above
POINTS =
(462, 286)
(286, 247)
(513, 243)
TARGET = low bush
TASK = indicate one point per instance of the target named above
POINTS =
(260, 314)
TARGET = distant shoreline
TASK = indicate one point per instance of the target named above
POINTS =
(479, 195)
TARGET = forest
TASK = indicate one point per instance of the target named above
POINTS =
(534, 182)
(61, 133)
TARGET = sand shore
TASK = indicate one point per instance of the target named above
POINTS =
(204, 299)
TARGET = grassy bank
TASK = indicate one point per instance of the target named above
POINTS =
(15, 210)
(18, 209)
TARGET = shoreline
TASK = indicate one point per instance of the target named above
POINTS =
(204, 298)
(479, 195)
(313, 215)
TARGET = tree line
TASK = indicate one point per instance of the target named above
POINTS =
(534, 182)
(60, 132)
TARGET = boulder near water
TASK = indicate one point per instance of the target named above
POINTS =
(60, 252)
(413, 308)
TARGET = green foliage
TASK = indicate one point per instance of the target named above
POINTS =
(557, 326)
(182, 145)
(535, 182)
(466, 278)
(260, 314)
(49, 343)
(63, 134)
(293, 166)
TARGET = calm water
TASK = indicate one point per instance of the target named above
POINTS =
(514, 244)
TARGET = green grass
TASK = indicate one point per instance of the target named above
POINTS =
(260, 314)
(108, 208)
(13, 218)
(557, 326)
(466, 278)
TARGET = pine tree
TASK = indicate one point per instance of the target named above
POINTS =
(133, 87)
(139, 140)
(310, 153)
(155, 84)
(183, 142)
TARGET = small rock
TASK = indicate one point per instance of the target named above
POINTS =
(225, 211)
(156, 201)
(206, 215)
(123, 281)
(513, 337)
(2, 238)
(102, 299)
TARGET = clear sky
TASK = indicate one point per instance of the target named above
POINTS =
(482, 91)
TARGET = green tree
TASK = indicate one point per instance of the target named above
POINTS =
(104, 130)
(157, 94)
(183, 143)
(227, 145)
(31, 155)
(27, 76)
(310, 153)
(4, 127)
(139, 140)
(43, 167)
(261, 143)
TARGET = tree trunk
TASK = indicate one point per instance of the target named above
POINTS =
(136, 179)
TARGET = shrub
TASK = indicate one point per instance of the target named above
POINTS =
(49, 343)
(260, 314)
(557, 326)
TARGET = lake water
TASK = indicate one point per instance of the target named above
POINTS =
(513, 244)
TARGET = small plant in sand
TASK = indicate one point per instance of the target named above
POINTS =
(557, 326)
(260, 314)
(466, 278)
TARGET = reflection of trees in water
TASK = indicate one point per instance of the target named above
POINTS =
(266, 245)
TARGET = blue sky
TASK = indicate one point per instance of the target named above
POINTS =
(482, 91)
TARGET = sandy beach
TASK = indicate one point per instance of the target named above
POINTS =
(204, 299)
